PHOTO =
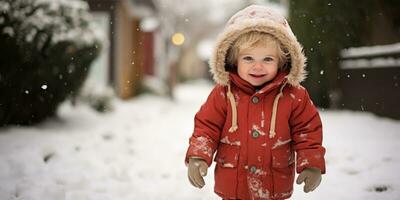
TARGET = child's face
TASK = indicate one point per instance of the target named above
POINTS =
(258, 65)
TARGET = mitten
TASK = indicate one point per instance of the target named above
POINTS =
(197, 168)
(311, 178)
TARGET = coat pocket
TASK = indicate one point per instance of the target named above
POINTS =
(226, 170)
(283, 156)
(227, 156)
(283, 171)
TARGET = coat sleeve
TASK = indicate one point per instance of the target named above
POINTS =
(208, 124)
(306, 128)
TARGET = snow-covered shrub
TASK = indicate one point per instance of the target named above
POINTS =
(46, 48)
(97, 97)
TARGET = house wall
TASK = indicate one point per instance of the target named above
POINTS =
(107, 7)
(99, 69)
(128, 63)
(148, 53)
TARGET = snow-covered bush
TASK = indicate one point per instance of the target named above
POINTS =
(98, 97)
(46, 48)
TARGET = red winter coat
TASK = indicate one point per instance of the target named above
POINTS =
(251, 164)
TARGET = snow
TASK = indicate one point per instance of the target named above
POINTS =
(228, 165)
(204, 49)
(280, 143)
(370, 63)
(226, 141)
(137, 152)
(4, 6)
(256, 188)
(36, 16)
(9, 31)
(201, 146)
(149, 24)
(304, 162)
(371, 50)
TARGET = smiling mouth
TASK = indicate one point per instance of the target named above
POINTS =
(257, 75)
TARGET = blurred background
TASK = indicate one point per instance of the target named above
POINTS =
(125, 71)
(129, 47)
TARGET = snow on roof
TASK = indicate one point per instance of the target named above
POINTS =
(370, 63)
(370, 51)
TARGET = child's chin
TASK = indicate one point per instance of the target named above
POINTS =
(256, 84)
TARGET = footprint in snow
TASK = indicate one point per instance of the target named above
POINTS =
(48, 156)
(380, 188)
(350, 171)
(108, 137)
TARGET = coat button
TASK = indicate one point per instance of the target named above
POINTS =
(253, 169)
(255, 134)
(255, 99)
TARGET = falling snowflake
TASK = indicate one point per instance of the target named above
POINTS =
(44, 87)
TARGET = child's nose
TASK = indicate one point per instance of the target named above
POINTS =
(258, 65)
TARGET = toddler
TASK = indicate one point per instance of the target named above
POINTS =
(258, 115)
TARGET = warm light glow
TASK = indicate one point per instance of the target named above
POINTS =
(178, 39)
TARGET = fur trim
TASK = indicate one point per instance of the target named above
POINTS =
(258, 18)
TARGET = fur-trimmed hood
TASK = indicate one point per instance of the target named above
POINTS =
(262, 19)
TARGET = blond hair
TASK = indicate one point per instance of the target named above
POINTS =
(251, 40)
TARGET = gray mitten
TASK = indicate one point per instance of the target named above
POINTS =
(311, 178)
(197, 169)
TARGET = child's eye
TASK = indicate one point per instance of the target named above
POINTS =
(248, 58)
(268, 59)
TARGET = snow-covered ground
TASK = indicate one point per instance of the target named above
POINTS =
(137, 152)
